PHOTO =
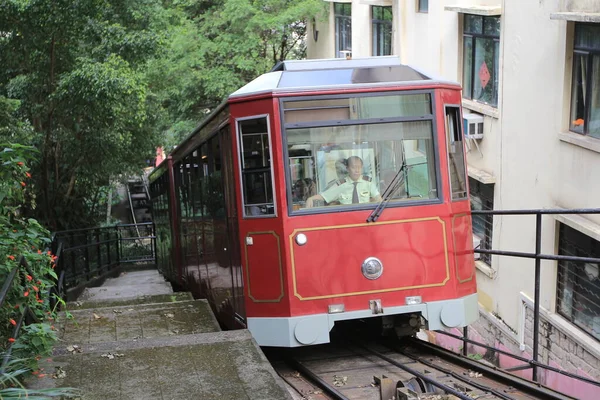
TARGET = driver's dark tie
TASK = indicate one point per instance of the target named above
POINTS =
(355, 193)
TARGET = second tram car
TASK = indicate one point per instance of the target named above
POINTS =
(323, 191)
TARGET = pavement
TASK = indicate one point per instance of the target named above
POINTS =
(133, 338)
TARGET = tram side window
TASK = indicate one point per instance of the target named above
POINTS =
(257, 182)
(456, 156)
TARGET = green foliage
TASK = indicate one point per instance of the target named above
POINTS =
(215, 47)
(11, 387)
(76, 71)
(97, 85)
(22, 237)
(475, 356)
(35, 339)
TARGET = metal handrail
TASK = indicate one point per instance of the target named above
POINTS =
(537, 256)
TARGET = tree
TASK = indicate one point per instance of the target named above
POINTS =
(219, 46)
(77, 69)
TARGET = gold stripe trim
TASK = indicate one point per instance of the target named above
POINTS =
(444, 236)
(277, 300)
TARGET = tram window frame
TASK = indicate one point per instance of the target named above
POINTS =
(267, 167)
(436, 189)
(474, 34)
(381, 30)
(585, 101)
(452, 139)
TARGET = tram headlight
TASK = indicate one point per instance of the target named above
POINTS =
(301, 239)
(372, 268)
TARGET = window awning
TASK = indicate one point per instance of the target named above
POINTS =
(576, 16)
(494, 10)
(481, 175)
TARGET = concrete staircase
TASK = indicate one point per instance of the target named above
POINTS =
(133, 338)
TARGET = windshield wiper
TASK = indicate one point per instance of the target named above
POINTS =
(394, 185)
(387, 194)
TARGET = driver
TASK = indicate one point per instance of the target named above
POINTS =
(354, 189)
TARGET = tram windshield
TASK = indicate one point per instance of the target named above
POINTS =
(345, 152)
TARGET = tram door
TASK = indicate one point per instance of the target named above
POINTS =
(233, 249)
(459, 199)
(220, 254)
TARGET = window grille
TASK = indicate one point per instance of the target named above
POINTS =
(578, 286)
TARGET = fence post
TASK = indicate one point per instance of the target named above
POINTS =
(118, 243)
(536, 304)
(465, 337)
(73, 266)
(88, 275)
(109, 258)
(154, 257)
(98, 252)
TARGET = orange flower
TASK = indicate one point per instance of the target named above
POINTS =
(40, 301)
(26, 294)
(20, 163)
(39, 252)
(11, 257)
(578, 121)
(23, 184)
(35, 288)
(49, 253)
(12, 340)
(27, 174)
(29, 278)
(35, 372)
(12, 322)
(41, 375)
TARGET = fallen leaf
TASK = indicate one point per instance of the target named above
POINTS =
(170, 315)
(96, 316)
(59, 373)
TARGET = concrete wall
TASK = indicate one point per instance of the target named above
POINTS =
(527, 148)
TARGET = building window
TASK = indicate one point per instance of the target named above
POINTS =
(482, 198)
(578, 287)
(481, 49)
(585, 90)
(343, 29)
(382, 31)
(423, 5)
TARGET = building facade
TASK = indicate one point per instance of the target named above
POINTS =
(530, 72)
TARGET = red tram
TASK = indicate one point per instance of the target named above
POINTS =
(323, 191)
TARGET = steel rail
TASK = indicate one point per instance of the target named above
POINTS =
(330, 390)
(418, 374)
(455, 375)
(532, 388)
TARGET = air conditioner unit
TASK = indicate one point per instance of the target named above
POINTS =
(473, 125)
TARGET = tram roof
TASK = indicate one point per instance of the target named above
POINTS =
(301, 75)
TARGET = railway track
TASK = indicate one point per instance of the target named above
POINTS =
(410, 369)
